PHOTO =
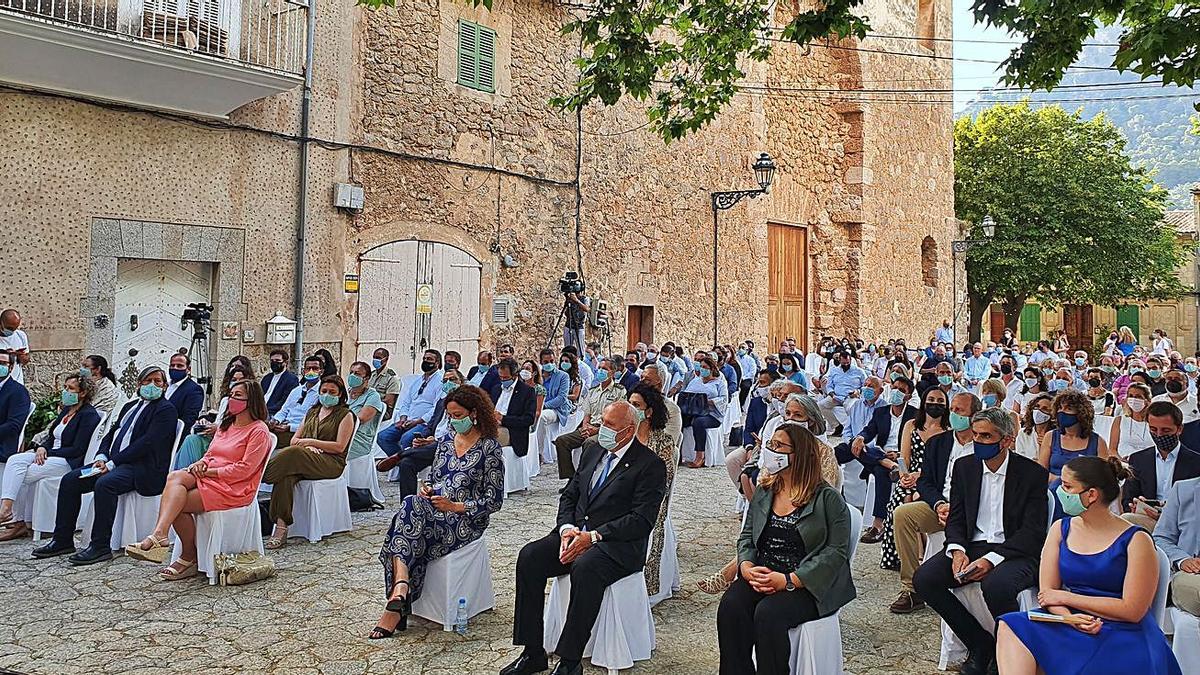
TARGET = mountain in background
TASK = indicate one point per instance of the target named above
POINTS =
(1159, 130)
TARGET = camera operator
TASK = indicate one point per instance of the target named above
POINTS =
(577, 311)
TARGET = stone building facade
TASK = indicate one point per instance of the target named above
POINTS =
(476, 202)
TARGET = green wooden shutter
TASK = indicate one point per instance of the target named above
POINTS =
(1129, 315)
(1031, 322)
(468, 54)
(487, 59)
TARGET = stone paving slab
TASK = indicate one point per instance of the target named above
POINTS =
(312, 617)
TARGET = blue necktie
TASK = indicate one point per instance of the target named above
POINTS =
(608, 462)
(125, 424)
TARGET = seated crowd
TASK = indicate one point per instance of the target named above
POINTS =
(995, 467)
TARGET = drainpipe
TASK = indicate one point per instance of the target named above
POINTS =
(302, 199)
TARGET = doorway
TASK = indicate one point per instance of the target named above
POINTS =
(418, 295)
(151, 296)
(641, 325)
(1077, 321)
(787, 274)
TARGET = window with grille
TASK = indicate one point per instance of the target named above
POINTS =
(501, 311)
(476, 56)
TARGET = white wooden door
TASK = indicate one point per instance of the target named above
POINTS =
(151, 295)
(388, 313)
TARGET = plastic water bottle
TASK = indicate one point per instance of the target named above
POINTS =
(460, 617)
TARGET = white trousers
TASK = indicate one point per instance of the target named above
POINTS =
(20, 469)
(835, 415)
(544, 432)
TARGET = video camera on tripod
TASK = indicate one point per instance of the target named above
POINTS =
(571, 283)
(199, 315)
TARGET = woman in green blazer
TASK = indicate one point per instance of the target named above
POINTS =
(793, 558)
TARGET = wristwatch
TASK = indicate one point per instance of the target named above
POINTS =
(595, 536)
(789, 586)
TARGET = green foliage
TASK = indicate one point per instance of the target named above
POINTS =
(1076, 222)
(45, 412)
(1159, 38)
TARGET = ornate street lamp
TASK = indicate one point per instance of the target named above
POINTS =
(764, 174)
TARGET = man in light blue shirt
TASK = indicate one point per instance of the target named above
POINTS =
(944, 334)
(840, 383)
(1177, 533)
(415, 406)
(1043, 352)
(978, 367)
(860, 413)
(287, 421)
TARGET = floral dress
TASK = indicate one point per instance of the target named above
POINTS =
(890, 560)
(662, 445)
(421, 534)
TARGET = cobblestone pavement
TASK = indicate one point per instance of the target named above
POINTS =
(313, 615)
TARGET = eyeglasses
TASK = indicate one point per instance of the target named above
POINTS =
(773, 446)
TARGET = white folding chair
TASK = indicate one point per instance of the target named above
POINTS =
(40, 500)
(817, 645)
(321, 507)
(714, 454)
(624, 628)
(533, 461)
(516, 471)
(237, 530)
(136, 514)
(668, 566)
(360, 471)
(464, 573)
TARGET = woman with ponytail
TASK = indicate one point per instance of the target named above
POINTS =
(1098, 573)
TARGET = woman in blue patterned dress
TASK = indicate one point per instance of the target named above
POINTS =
(467, 488)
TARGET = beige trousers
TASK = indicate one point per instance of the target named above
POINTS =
(1185, 592)
(909, 522)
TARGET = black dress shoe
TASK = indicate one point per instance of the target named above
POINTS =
(526, 664)
(978, 663)
(52, 549)
(90, 556)
(568, 668)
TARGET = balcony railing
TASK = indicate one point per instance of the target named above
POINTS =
(264, 33)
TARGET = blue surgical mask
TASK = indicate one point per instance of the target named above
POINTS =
(461, 425)
(483, 368)
(607, 438)
(565, 365)
(1081, 362)
(989, 400)
(150, 392)
(641, 416)
(868, 395)
(507, 384)
(896, 397)
(1189, 367)
(1154, 374)
(354, 381)
(85, 372)
(1072, 503)
(69, 397)
(945, 380)
(376, 363)
(328, 400)
(448, 387)
(1031, 382)
(786, 367)
(705, 372)
(548, 367)
(601, 376)
(893, 376)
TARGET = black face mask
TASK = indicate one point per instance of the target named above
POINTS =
(276, 367)
(1005, 369)
(1175, 386)
(1095, 382)
(935, 409)
(427, 367)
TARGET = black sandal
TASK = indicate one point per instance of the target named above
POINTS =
(401, 606)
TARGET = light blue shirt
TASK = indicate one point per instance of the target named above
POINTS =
(859, 416)
(944, 335)
(749, 367)
(420, 397)
(978, 368)
(1178, 530)
(801, 378)
(297, 405)
(839, 383)
(1037, 357)
(1164, 469)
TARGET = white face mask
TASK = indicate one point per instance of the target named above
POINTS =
(526, 375)
(777, 406)
(773, 462)
(1135, 404)
(762, 392)
(1040, 417)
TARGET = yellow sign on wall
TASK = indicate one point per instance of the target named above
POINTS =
(424, 298)
(350, 285)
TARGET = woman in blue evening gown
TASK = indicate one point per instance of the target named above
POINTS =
(1101, 570)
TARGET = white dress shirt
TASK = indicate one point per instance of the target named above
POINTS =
(989, 521)
(960, 450)
(1187, 406)
(505, 398)
(619, 455)
(893, 439)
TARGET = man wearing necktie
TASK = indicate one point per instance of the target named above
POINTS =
(135, 454)
(605, 517)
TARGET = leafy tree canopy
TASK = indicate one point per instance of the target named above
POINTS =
(687, 56)
(1076, 222)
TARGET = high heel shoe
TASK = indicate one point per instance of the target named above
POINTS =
(401, 606)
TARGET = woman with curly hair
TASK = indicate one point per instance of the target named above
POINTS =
(466, 487)
(1074, 437)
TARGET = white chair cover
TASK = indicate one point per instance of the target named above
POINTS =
(817, 645)
(230, 531)
(533, 460)
(465, 573)
(361, 473)
(1102, 425)
(624, 629)
(37, 504)
(714, 454)
(516, 471)
(812, 365)
(1186, 643)
(668, 567)
(733, 417)
(136, 514)
(320, 508)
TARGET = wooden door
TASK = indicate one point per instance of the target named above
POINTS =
(151, 296)
(1077, 321)
(641, 325)
(996, 323)
(787, 276)
(417, 295)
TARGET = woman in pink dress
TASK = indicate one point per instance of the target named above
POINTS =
(227, 477)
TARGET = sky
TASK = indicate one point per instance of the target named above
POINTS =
(973, 76)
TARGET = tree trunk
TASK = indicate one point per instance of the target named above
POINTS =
(1012, 313)
(978, 307)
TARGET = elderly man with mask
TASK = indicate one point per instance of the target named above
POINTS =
(841, 383)
(605, 517)
(654, 374)
(599, 397)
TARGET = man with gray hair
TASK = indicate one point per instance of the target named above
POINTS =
(995, 529)
(737, 460)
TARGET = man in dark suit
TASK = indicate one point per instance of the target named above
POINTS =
(878, 447)
(491, 381)
(14, 407)
(515, 404)
(994, 534)
(605, 517)
(630, 379)
(1156, 469)
(278, 383)
(135, 454)
(184, 394)
(913, 521)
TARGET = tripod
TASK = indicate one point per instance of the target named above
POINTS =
(198, 353)
(572, 335)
